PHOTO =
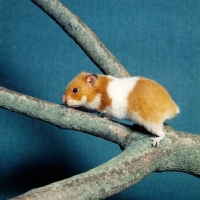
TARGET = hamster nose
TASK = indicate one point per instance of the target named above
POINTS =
(65, 99)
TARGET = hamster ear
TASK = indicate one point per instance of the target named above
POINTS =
(91, 79)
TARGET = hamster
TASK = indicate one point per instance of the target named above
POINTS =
(138, 99)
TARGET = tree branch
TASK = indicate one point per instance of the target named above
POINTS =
(63, 117)
(137, 161)
(84, 37)
(178, 151)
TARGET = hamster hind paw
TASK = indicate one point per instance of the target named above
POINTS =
(156, 141)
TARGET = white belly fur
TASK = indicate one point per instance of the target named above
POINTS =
(118, 90)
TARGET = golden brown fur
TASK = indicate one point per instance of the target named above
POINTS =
(100, 86)
(151, 101)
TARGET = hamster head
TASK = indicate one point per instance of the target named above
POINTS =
(83, 91)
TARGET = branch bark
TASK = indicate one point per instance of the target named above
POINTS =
(84, 37)
(178, 151)
(63, 117)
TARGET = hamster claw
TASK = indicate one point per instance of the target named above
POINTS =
(155, 141)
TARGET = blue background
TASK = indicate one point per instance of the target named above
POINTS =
(151, 38)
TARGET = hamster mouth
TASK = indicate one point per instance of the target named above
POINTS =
(65, 104)
(74, 106)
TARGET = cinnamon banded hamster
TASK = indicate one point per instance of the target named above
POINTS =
(138, 99)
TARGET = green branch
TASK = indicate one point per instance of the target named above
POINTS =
(63, 117)
(83, 36)
(177, 152)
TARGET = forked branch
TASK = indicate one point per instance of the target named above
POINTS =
(178, 151)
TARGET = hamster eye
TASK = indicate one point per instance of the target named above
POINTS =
(75, 90)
